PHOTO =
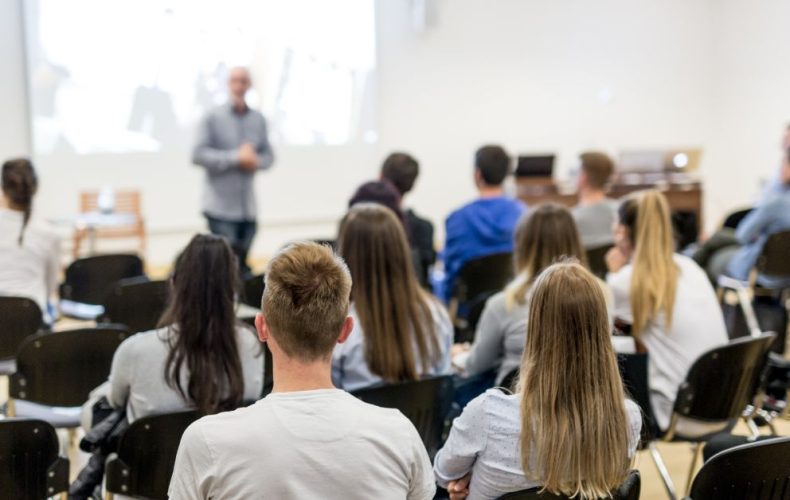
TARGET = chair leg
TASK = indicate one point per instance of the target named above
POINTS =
(693, 468)
(662, 470)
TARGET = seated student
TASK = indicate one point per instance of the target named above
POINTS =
(401, 170)
(484, 226)
(400, 331)
(666, 297)
(29, 252)
(543, 235)
(569, 427)
(200, 357)
(595, 214)
(306, 439)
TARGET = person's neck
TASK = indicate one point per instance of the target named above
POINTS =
(589, 196)
(10, 205)
(490, 191)
(238, 105)
(294, 376)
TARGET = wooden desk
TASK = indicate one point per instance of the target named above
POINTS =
(682, 197)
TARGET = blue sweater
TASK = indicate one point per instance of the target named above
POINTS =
(771, 217)
(482, 227)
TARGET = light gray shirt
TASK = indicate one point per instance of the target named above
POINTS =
(228, 193)
(596, 222)
(137, 376)
(485, 440)
(320, 443)
(350, 369)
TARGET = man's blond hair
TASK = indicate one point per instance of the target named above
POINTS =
(306, 300)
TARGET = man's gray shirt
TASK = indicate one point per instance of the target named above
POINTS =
(228, 193)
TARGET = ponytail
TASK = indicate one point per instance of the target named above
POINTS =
(19, 184)
(655, 275)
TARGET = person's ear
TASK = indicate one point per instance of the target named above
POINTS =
(348, 326)
(261, 327)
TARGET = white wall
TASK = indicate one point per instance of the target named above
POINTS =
(534, 75)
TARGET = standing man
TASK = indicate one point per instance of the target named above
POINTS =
(232, 145)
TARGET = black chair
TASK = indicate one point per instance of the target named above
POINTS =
(30, 464)
(19, 318)
(773, 260)
(137, 303)
(425, 402)
(596, 260)
(90, 280)
(629, 490)
(253, 291)
(634, 373)
(717, 389)
(477, 280)
(60, 370)
(734, 218)
(757, 471)
(146, 455)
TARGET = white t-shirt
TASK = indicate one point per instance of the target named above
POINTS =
(697, 326)
(311, 444)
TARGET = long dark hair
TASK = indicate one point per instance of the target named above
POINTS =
(19, 185)
(201, 315)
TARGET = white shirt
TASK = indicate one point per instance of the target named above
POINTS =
(697, 326)
(485, 440)
(138, 368)
(29, 270)
(350, 368)
(297, 445)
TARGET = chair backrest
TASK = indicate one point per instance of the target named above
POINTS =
(146, 455)
(733, 219)
(30, 466)
(484, 274)
(137, 303)
(596, 260)
(91, 279)
(61, 369)
(721, 381)
(19, 318)
(773, 260)
(425, 402)
(253, 291)
(634, 372)
(757, 471)
(124, 202)
(629, 490)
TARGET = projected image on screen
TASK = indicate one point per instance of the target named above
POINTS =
(136, 75)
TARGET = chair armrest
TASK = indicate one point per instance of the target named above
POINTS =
(732, 283)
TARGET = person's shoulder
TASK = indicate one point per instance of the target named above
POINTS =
(689, 268)
(416, 220)
(620, 278)
(142, 343)
(461, 212)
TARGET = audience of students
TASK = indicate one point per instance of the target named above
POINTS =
(484, 226)
(306, 439)
(595, 214)
(29, 251)
(543, 235)
(401, 332)
(568, 427)
(401, 169)
(665, 297)
(201, 357)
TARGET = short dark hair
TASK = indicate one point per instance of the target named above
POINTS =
(401, 169)
(598, 167)
(493, 163)
(380, 192)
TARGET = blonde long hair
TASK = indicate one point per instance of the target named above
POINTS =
(654, 278)
(573, 417)
(542, 236)
(393, 310)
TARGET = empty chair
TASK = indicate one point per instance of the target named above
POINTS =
(253, 291)
(137, 303)
(19, 318)
(30, 465)
(717, 389)
(90, 280)
(596, 260)
(476, 281)
(125, 220)
(146, 454)
(757, 471)
(629, 490)
(60, 370)
(425, 402)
